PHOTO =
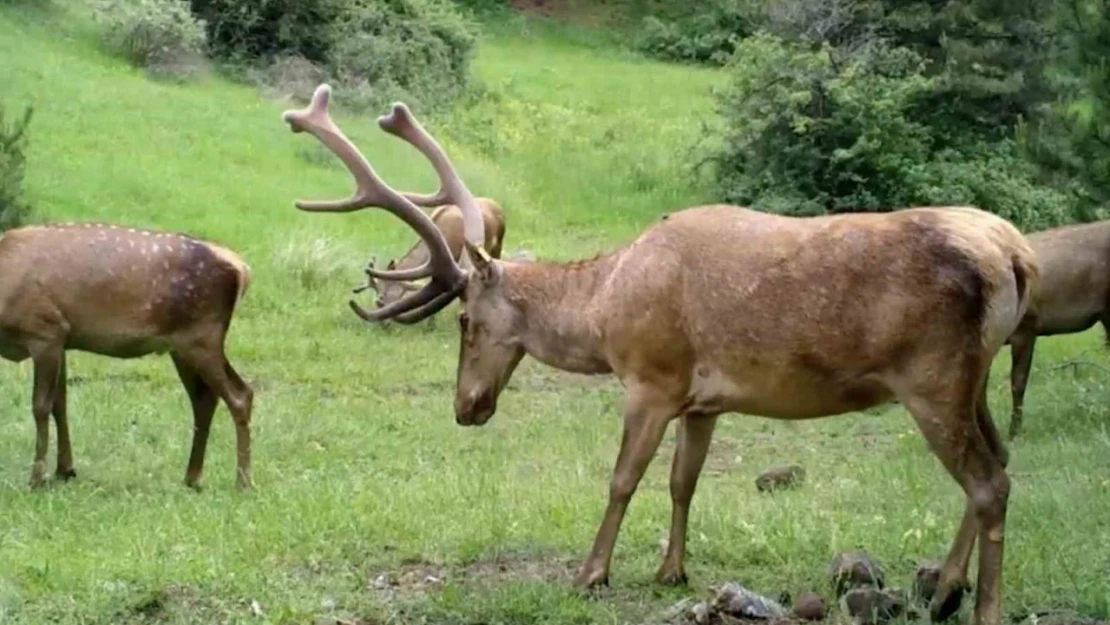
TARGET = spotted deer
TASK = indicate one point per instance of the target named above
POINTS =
(1072, 295)
(719, 309)
(448, 218)
(124, 293)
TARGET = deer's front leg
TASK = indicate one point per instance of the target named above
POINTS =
(47, 362)
(694, 434)
(1021, 353)
(645, 421)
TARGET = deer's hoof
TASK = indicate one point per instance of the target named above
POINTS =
(671, 578)
(245, 484)
(947, 601)
(65, 475)
(38, 476)
(591, 579)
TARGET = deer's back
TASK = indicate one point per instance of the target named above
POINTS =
(1074, 290)
(799, 317)
(113, 290)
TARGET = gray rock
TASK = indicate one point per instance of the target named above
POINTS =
(810, 607)
(700, 613)
(735, 600)
(789, 476)
(854, 570)
(925, 582)
(871, 606)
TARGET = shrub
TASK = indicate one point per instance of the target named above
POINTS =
(413, 50)
(812, 133)
(13, 142)
(994, 176)
(250, 29)
(374, 50)
(154, 34)
(708, 34)
(812, 130)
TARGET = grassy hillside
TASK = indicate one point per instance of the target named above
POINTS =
(362, 475)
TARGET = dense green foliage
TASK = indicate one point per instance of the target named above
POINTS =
(260, 28)
(381, 50)
(809, 131)
(1072, 142)
(705, 32)
(13, 146)
(840, 106)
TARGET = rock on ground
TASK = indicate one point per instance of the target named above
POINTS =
(871, 606)
(854, 570)
(778, 478)
(810, 607)
(925, 582)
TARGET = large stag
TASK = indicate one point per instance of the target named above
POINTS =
(124, 293)
(449, 219)
(722, 309)
(1072, 295)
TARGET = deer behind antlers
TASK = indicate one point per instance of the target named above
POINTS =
(1072, 296)
(124, 293)
(723, 309)
(449, 219)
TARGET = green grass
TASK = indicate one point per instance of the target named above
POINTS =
(360, 468)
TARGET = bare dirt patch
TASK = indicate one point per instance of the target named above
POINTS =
(414, 578)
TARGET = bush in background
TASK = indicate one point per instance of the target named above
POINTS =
(13, 143)
(251, 29)
(812, 130)
(373, 50)
(708, 34)
(809, 131)
(418, 51)
(161, 35)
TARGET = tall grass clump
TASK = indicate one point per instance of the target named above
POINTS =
(14, 208)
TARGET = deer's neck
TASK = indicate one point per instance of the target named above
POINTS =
(557, 312)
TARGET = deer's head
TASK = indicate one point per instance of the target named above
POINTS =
(490, 348)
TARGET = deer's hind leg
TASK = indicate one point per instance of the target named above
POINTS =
(962, 436)
(203, 401)
(65, 469)
(205, 356)
(693, 437)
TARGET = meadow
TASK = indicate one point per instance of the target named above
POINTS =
(371, 504)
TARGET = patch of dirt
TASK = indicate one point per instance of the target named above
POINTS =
(546, 8)
(414, 578)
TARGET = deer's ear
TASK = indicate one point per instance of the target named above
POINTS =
(486, 268)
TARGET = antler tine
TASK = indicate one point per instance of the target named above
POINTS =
(402, 124)
(448, 278)
(424, 302)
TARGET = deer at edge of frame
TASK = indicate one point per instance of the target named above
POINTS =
(1072, 295)
(124, 293)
